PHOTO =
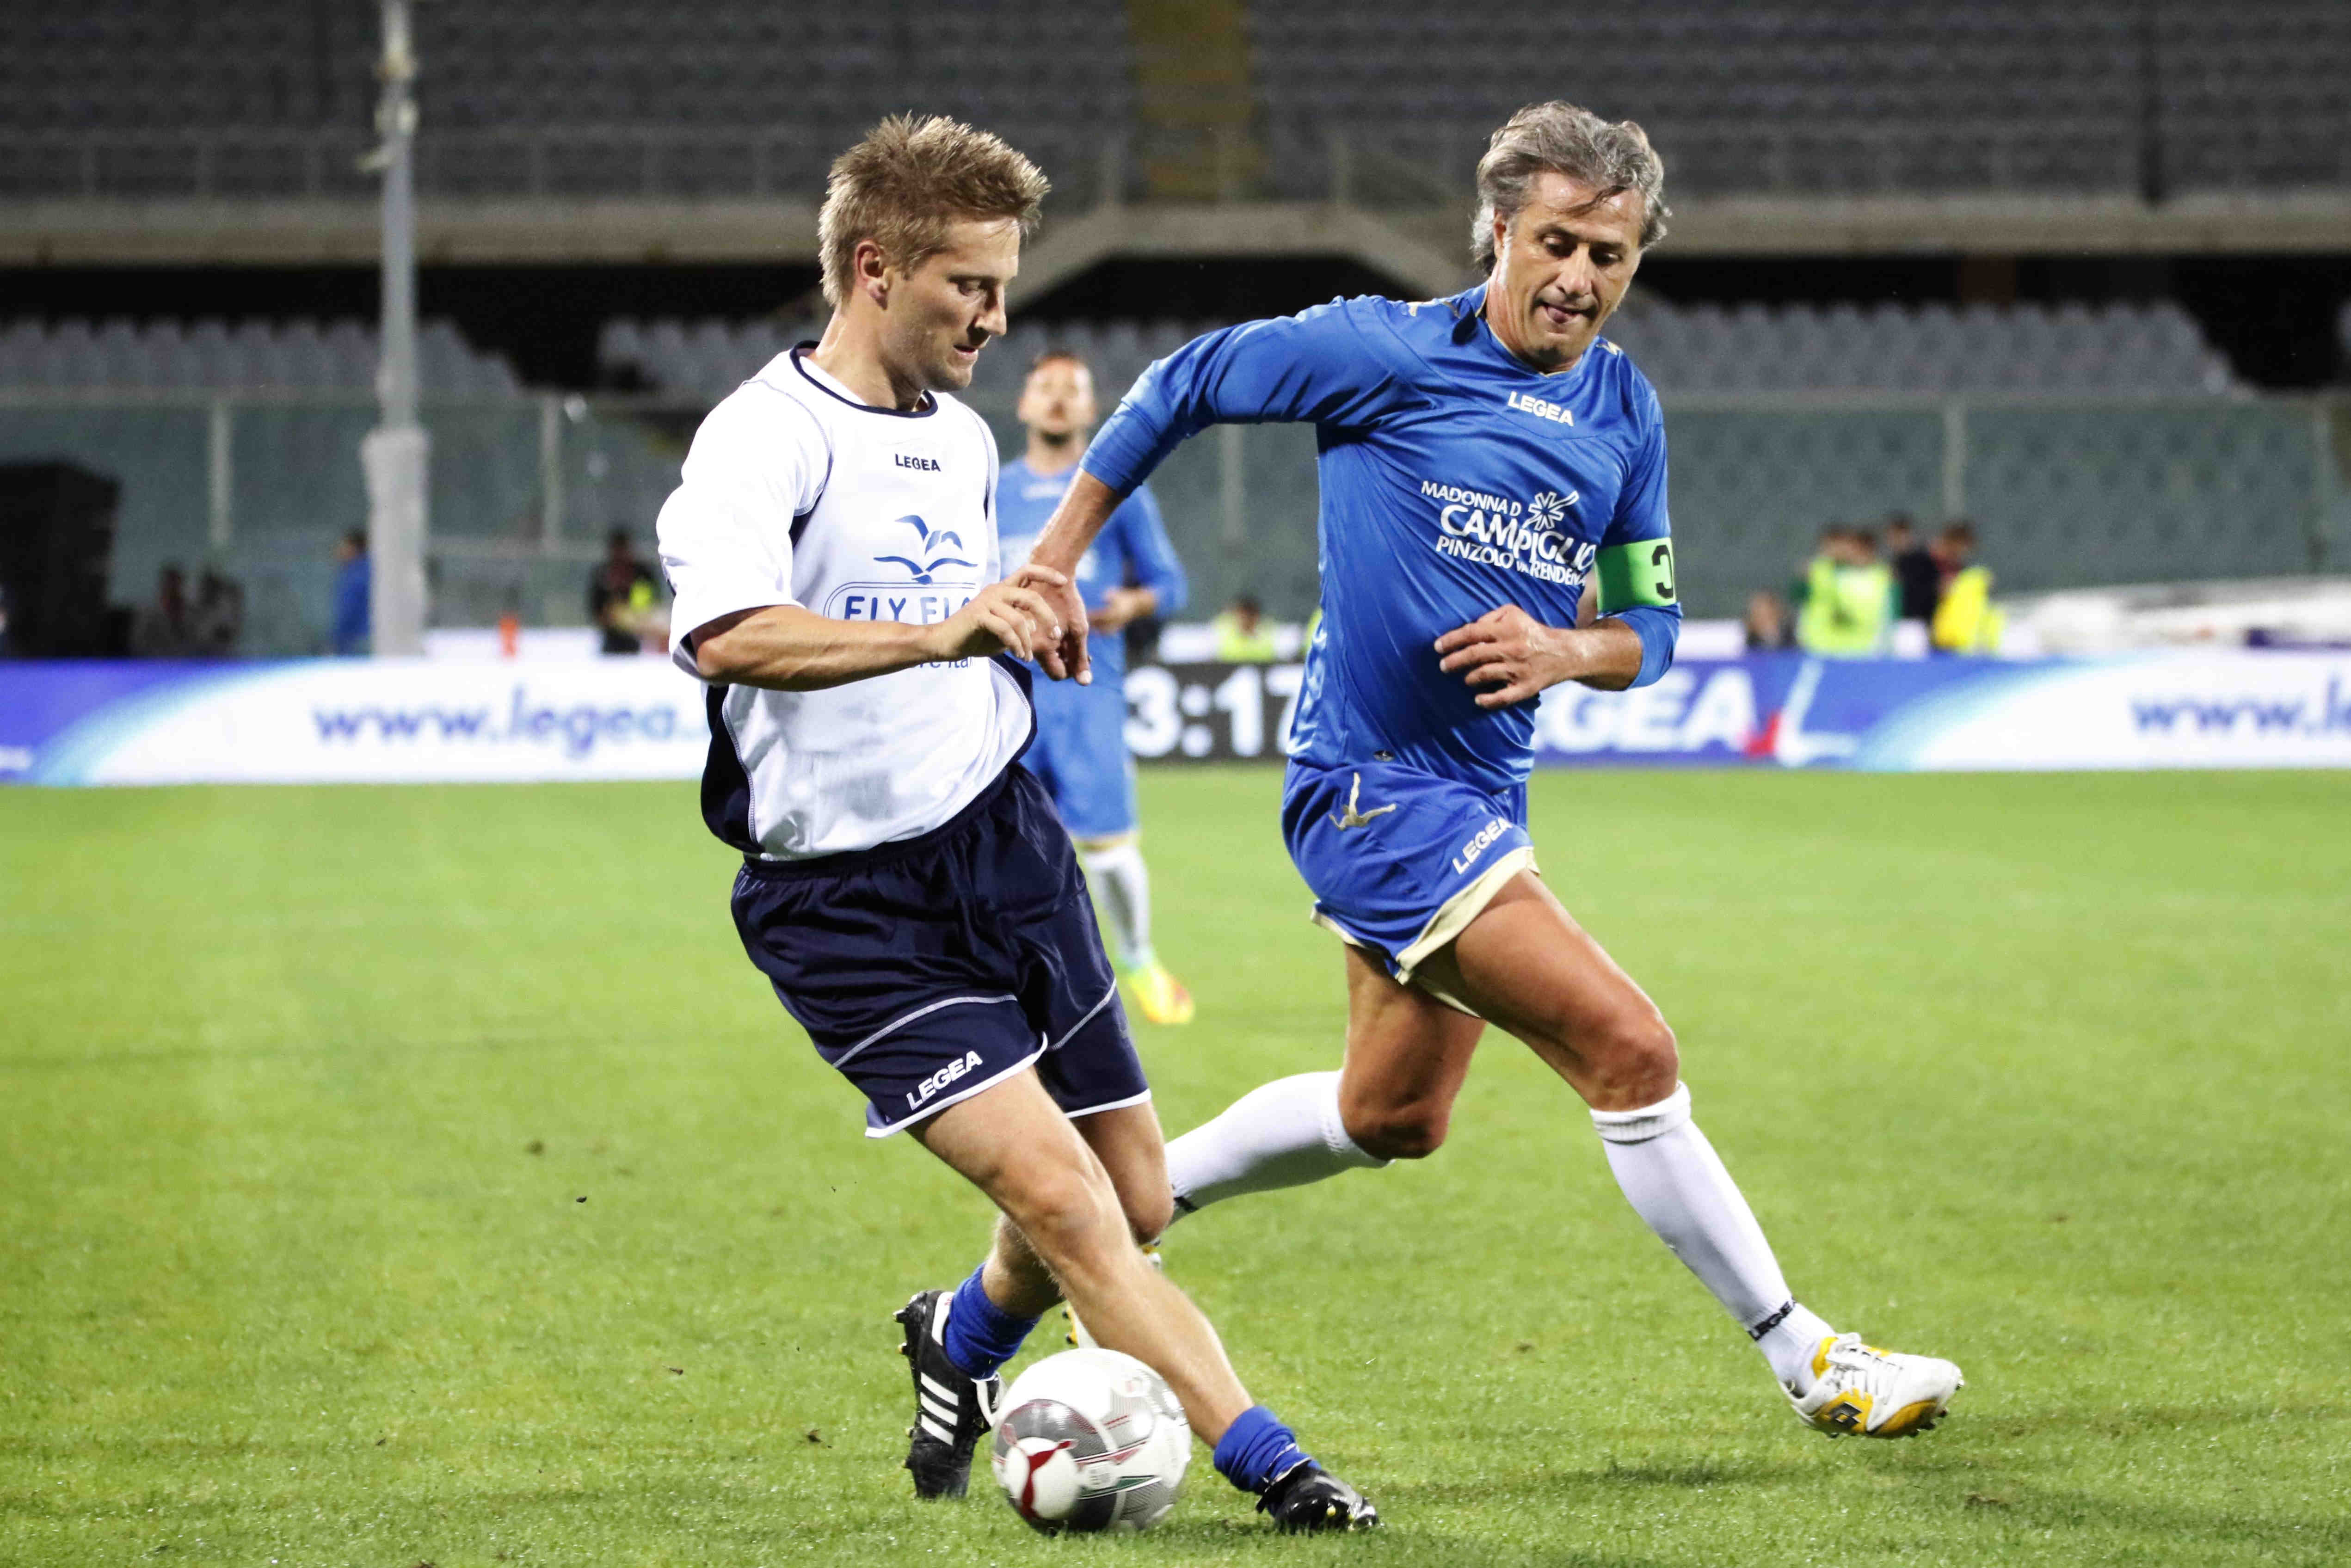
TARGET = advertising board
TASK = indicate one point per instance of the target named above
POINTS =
(395, 721)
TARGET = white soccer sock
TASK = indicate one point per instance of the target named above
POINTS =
(1676, 1183)
(1124, 889)
(1283, 1133)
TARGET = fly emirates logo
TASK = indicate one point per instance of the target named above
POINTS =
(1495, 530)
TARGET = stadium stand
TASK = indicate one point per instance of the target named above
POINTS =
(1906, 97)
(2051, 425)
(2116, 350)
(2088, 442)
(707, 359)
(215, 356)
(127, 98)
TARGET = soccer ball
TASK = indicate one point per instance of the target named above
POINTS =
(1091, 1440)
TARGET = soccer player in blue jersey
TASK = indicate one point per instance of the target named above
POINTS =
(1485, 461)
(1080, 751)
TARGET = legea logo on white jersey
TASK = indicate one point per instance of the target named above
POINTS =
(1495, 530)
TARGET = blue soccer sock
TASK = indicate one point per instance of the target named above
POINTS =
(1257, 1449)
(981, 1336)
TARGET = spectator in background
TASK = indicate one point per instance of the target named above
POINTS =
(621, 595)
(219, 617)
(1242, 636)
(1916, 579)
(1767, 623)
(164, 629)
(354, 586)
(1874, 575)
(1966, 621)
(1848, 597)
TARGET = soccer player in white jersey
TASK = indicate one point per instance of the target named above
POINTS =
(1485, 460)
(905, 885)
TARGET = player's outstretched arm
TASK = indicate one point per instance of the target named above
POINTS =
(1508, 656)
(1068, 533)
(786, 648)
(1312, 367)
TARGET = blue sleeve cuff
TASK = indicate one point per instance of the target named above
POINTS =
(1659, 628)
(1128, 446)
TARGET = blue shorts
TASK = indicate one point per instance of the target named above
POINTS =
(1080, 754)
(927, 970)
(1401, 860)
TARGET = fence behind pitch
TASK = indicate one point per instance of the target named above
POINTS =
(2067, 492)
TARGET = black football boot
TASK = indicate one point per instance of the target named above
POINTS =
(952, 1410)
(1307, 1497)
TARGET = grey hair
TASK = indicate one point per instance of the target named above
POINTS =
(1562, 139)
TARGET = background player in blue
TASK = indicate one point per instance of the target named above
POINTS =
(1080, 746)
(1483, 458)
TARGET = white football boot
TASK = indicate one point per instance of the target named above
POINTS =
(1858, 1388)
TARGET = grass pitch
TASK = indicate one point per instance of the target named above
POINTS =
(421, 1176)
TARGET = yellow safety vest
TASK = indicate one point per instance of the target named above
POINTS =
(1967, 621)
(1235, 646)
(1846, 609)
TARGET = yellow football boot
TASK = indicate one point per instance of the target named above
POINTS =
(1159, 996)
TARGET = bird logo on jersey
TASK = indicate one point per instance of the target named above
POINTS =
(931, 544)
(1354, 819)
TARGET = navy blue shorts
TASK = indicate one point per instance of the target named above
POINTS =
(928, 969)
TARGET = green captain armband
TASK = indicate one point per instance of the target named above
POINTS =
(1638, 573)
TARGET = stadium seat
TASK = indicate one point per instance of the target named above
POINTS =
(213, 356)
(2113, 351)
(1776, 94)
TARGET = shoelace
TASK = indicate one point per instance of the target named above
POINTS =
(1858, 1357)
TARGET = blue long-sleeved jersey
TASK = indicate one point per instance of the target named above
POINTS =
(1135, 540)
(1455, 480)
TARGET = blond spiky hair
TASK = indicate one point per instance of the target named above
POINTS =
(907, 181)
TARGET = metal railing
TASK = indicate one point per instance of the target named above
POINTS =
(2066, 491)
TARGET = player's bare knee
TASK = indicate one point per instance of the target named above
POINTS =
(1067, 1216)
(1148, 1215)
(1410, 1132)
(1633, 1062)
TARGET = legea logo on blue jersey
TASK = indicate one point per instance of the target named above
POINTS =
(932, 547)
(1496, 530)
(1558, 414)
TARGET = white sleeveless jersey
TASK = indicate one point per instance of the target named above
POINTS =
(795, 493)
